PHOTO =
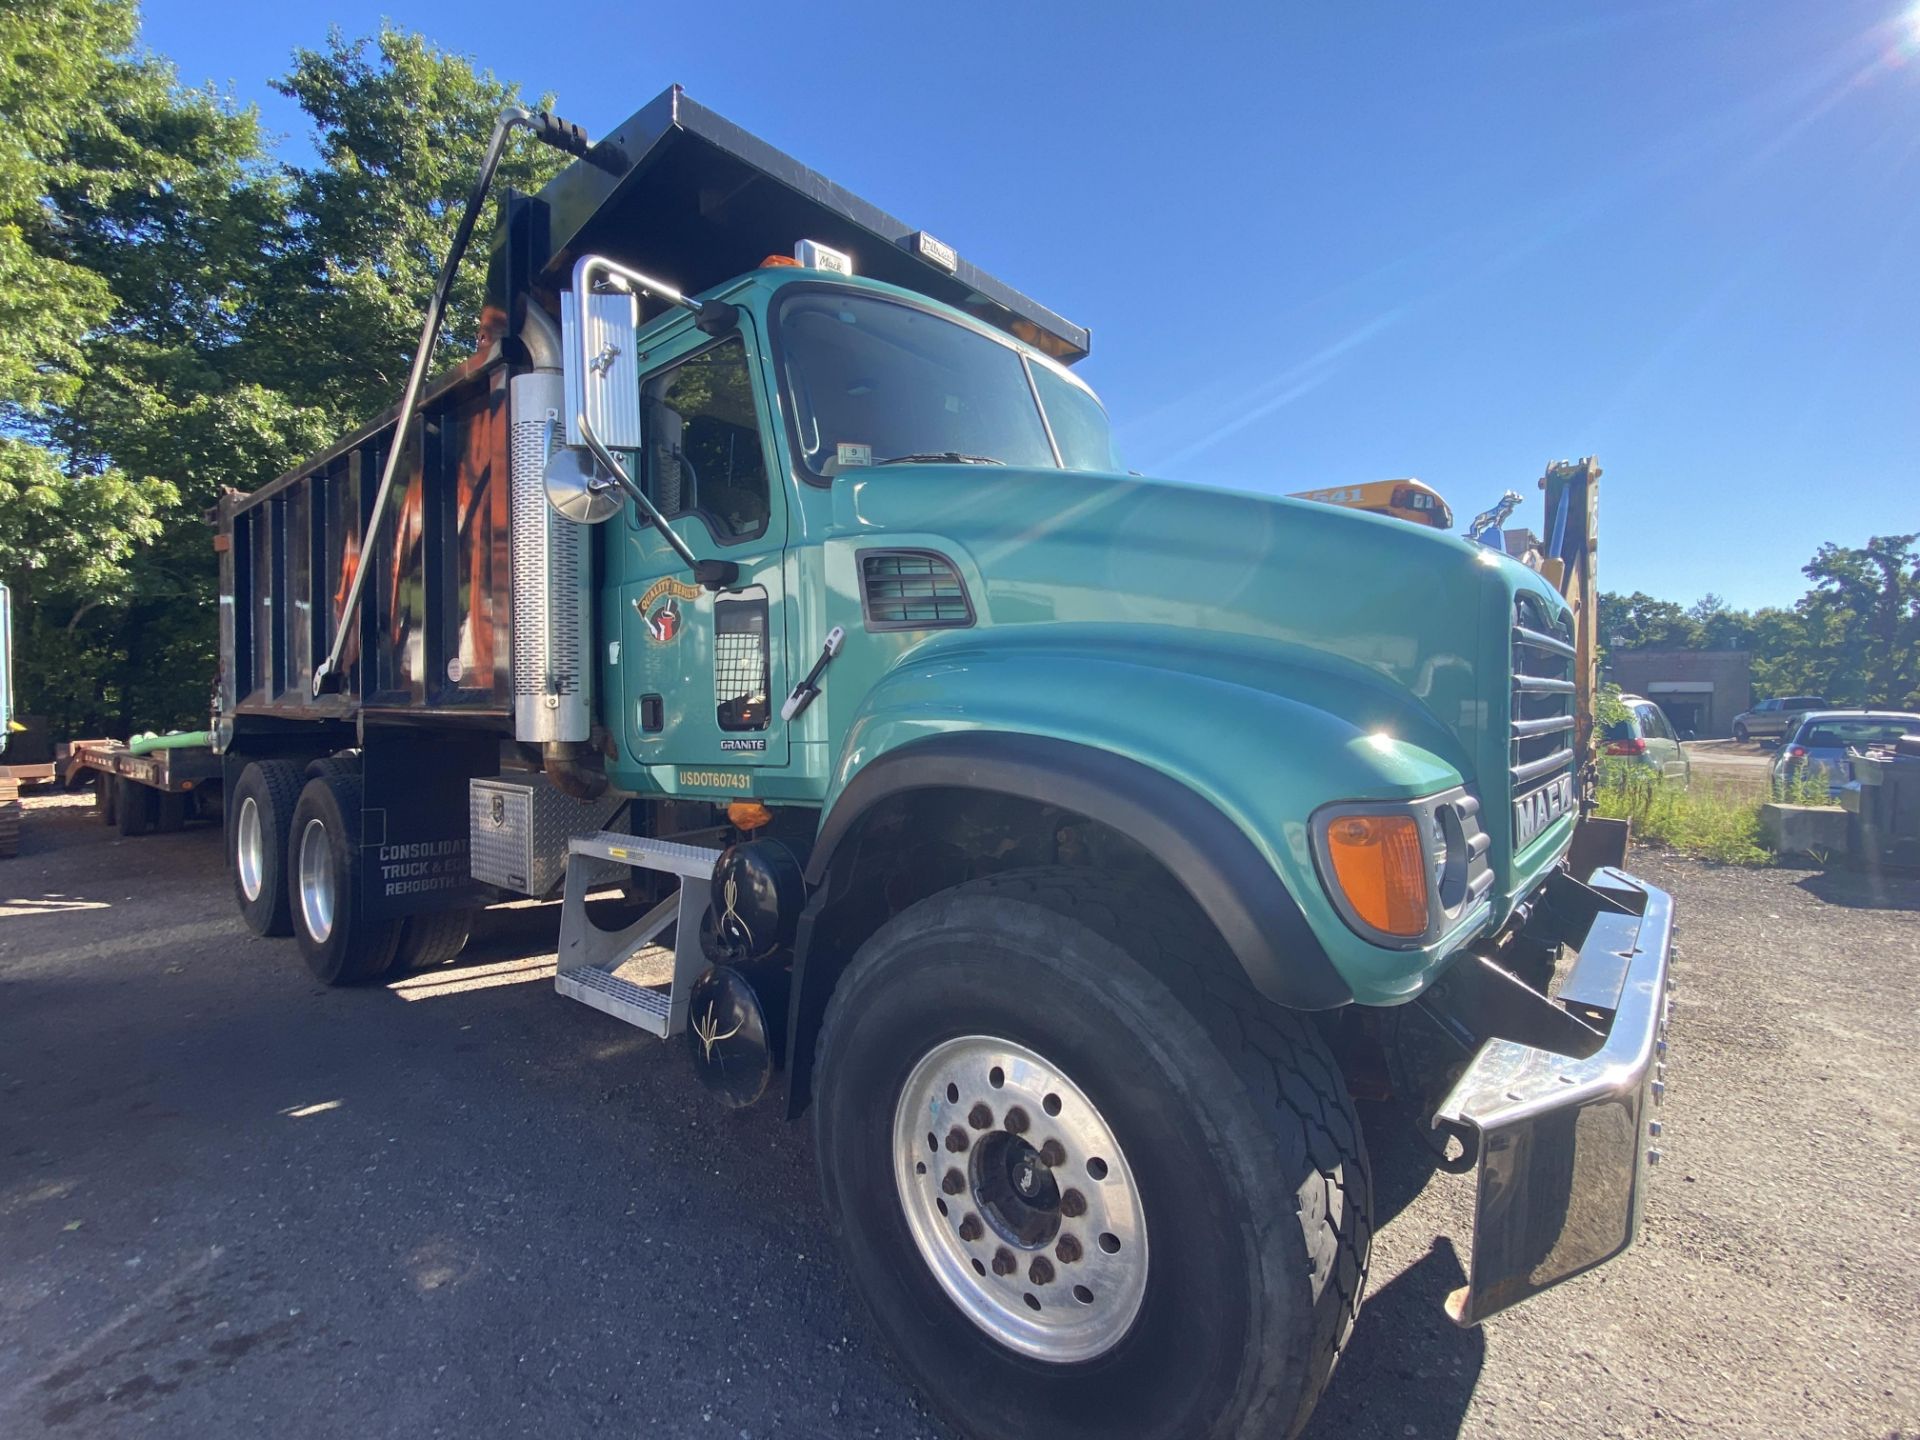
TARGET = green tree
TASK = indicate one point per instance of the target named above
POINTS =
(1640, 622)
(400, 127)
(1865, 609)
(129, 216)
(180, 315)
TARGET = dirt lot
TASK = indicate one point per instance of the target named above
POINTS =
(233, 1203)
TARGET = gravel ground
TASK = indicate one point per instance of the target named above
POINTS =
(233, 1202)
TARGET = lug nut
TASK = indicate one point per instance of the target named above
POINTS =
(1653, 1128)
(1068, 1251)
(980, 1117)
(1041, 1271)
(1653, 1157)
(1053, 1154)
(1073, 1204)
(1017, 1122)
(953, 1182)
(957, 1140)
(1659, 1091)
(1003, 1261)
(970, 1227)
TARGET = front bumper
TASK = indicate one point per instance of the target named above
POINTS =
(1564, 1142)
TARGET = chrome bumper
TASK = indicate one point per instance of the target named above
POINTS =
(1564, 1143)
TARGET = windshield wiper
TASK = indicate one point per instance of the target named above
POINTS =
(941, 457)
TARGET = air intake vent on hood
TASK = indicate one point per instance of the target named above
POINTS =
(912, 590)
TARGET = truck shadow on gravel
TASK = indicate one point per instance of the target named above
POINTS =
(1864, 889)
(1407, 1369)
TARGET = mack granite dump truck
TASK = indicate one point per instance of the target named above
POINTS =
(1073, 846)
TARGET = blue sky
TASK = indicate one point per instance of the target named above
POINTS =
(1323, 243)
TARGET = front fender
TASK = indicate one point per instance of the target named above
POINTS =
(1261, 735)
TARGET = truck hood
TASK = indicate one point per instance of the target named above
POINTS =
(1422, 618)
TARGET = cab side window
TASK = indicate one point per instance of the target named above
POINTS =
(702, 451)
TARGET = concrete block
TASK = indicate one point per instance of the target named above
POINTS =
(1800, 829)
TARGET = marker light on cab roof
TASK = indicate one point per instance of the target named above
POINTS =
(815, 256)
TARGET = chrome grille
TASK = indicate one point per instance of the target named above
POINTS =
(1542, 733)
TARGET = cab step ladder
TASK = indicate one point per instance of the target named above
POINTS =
(590, 956)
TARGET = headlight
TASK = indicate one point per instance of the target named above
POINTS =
(1401, 873)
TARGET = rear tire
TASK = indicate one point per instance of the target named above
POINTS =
(339, 944)
(133, 807)
(103, 788)
(427, 941)
(261, 816)
(1235, 1136)
(170, 811)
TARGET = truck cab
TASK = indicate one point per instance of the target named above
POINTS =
(1075, 845)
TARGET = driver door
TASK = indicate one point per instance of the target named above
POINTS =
(704, 673)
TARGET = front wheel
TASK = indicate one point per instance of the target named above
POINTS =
(1740, 733)
(1078, 1198)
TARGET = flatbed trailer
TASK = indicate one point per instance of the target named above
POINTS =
(158, 790)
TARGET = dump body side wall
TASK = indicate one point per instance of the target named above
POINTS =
(432, 632)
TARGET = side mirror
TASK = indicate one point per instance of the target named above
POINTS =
(599, 328)
(602, 366)
(578, 490)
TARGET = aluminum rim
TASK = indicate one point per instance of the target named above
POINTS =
(250, 850)
(316, 881)
(1020, 1199)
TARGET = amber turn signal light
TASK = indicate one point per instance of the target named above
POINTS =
(1380, 868)
(748, 814)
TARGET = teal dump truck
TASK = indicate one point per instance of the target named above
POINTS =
(1073, 846)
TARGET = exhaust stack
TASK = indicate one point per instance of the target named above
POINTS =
(551, 575)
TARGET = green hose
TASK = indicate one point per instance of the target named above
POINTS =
(190, 740)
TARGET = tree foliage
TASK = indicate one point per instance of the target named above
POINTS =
(1854, 637)
(181, 313)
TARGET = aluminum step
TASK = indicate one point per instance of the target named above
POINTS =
(591, 958)
(646, 1006)
(691, 862)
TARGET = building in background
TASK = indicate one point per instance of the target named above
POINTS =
(1700, 690)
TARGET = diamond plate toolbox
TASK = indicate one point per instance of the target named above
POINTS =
(519, 830)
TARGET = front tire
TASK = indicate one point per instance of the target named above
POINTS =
(341, 945)
(1210, 1151)
(1740, 733)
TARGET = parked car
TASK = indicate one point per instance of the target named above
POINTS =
(1831, 740)
(1645, 740)
(1774, 718)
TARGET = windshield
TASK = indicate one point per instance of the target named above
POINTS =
(872, 381)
